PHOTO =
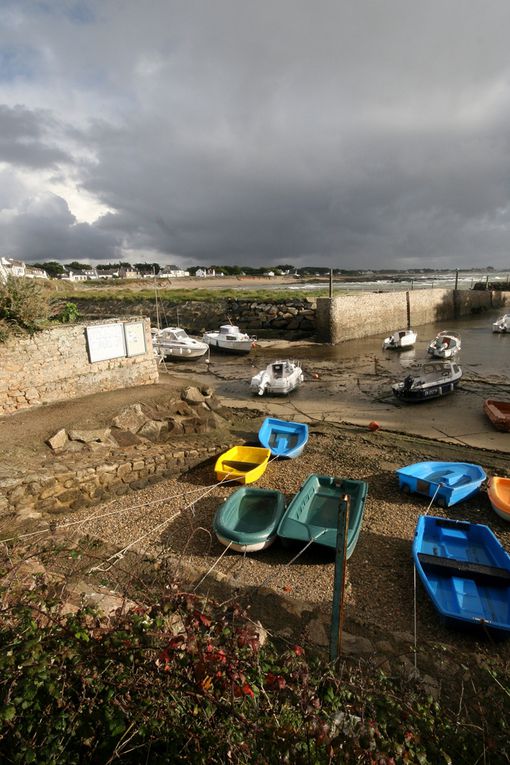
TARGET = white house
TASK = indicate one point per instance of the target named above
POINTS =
(172, 272)
(13, 267)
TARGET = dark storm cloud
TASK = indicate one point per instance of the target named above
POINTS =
(347, 134)
(24, 140)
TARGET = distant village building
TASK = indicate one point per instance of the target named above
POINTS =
(73, 275)
(172, 272)
(128, 273)
(31, 272)
(203, 272)
(14, 267)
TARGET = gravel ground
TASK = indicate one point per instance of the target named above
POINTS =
(176, 517)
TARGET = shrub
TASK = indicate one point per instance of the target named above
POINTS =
(24, 304)
(67, 314)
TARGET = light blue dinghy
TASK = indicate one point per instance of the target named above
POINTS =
(465, 571)
(447, 482)
(313, 512)
(248, 519)
(283, 438)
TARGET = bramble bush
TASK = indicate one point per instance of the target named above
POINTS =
(181, 683)
(24, 305)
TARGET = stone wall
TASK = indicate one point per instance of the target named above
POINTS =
(294, 318)
(53, 365)
(347, 317)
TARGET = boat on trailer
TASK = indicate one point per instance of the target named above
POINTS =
(313, 512)
(247, 521)
(502, 324)
(446, 482)
(402, 339)
(498, 413)
(465, 571)
(175, 343)
(278, 378)
(283, 438)
(242, 464)
(445, 345)
(498, 491)
(429, 380)
(230, 339)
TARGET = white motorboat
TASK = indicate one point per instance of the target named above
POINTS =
(174, 342)
(502, 324)
(445, 345)
(279, 377)
(229, 338)
(402, 338)
(429, 380)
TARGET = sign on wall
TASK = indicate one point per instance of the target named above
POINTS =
(106, 341)
(135, 338)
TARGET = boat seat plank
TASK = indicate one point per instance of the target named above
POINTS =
(243, 467)
(479, 571)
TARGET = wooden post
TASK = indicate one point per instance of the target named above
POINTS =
(337, 612)
(456, 278)
(330, 283)
(408, 309)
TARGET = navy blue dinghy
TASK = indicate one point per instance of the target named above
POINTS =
(283, 438)
(465, 571)
(448, 482)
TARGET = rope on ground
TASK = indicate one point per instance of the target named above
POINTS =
(227, 548)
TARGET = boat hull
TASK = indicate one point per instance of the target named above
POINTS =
(498, 413)
(242, 464)
(283, 438)
(228, 346)
(465, 572)
(313, 512)
(425, 393)
(247, 521)
(498, 491)
(447, 482)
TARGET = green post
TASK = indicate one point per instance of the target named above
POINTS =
(337, 613)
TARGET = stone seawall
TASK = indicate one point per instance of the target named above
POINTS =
(54, 365)
(293, 318)
(347, 317)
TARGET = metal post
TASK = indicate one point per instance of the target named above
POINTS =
(337, 613)
(456, 278)
(408, 310)
(330, 283)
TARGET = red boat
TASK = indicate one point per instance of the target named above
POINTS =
(498, 413)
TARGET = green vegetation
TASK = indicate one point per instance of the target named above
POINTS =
(187, 681)
(24, 306)
(67, 314)
(185, 295)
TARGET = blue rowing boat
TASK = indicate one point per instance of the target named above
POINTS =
(283, 438)
(447, 482)
(313, 512)
(465, 571)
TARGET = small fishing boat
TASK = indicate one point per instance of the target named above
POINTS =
(465, 571)
(174, 342)
(279, 377)
(502, 324)
(313, 511)
(447, 482)
(445, 345)
(247, 521)
(498, 491)
(498, 413)
(400, 340)
(243, 464)
(229, 338)
(283, 438)
(429, 380)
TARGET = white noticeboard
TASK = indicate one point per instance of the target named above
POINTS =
(106, 341)
(135, 338)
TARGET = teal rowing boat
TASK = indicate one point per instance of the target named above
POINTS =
(248, 519)
(313, 512)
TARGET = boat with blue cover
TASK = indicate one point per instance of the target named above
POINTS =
(313, 512)
(465, 571)
(282, 437)
(247, 521)
(447, 482)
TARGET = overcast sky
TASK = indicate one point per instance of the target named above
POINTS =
(344, 133)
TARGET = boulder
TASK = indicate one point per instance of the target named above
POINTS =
(152, 430)
(131, 418)
(125, 437)
(88, 436)
(58, 441)
(192, 395)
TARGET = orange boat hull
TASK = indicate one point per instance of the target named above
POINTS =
(498, 413)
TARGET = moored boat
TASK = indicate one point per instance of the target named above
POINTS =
(498, 491)
(445, 345)
(174, 342)
(465, 571)
(400, 340)
(313, 512)
(283, 438)
(247, 521)
(229, 338)
(243, 464)
(502, 324)
(447, 482)
(429, 380)
(498, 413)
(278, 378)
